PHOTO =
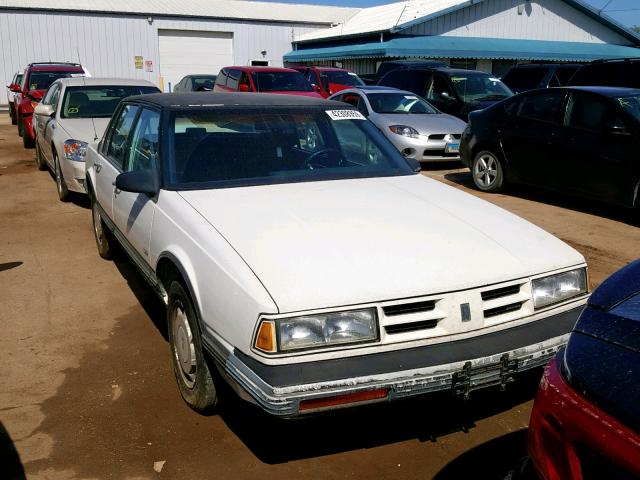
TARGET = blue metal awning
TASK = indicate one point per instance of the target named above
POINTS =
(467, 47)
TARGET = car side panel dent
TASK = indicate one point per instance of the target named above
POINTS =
(228, 295)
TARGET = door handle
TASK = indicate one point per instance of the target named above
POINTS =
(98, 167)
(116, 190)
(53, 126)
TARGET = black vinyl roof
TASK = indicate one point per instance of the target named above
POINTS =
(215, 99)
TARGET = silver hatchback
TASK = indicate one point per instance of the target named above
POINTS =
(414, 126)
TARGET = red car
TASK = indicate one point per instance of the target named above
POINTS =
(35, 81)
(585, 422)
(330, 80)
(265, 80)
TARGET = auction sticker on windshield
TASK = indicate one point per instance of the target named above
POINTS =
(345, 115)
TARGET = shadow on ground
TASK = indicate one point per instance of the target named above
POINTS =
(591, 207)
(10, 465)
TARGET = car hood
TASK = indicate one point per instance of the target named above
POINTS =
(425, 124)
(83, 128)
(346, 242)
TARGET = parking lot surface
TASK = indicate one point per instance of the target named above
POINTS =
(87, 390)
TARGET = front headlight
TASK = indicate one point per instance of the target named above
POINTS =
(316, 331)
(559, 287)
(404, 130)
(75, 150)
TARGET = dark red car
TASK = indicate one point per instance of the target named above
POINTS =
(264, 80)
(585, 422)
(330, 80)
(35, 81)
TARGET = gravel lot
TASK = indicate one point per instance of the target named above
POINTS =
(87, 391)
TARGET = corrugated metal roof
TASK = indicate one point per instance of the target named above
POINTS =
(236, 9)
(384, 17)
(467, 47)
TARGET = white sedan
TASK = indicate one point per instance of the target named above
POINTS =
(74, 112)
(296, 247)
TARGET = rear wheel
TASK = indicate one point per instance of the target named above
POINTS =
(487, 172)
(61, 186)
(27, 141)
(187, 355)
(99, 230)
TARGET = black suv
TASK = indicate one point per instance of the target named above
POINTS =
(531, 76)
(386, 67)
(453, 91)
(609, 73)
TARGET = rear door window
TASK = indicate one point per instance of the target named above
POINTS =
(542, 107)
(233, 78)
(143, 154)
(586, 112)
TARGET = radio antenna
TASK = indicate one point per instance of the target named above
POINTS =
(84, 82)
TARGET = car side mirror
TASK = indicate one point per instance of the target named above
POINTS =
(15, 88)
(243, 87)
(139, 181)
(45, 110)
(446, 96)
(316, 88)
(616, 130)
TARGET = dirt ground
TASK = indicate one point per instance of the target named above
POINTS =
(86, 388)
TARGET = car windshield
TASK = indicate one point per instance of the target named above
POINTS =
(400, 103)
(43, 80)
(630, 104)
(281, 82)
(98, 101)
(476, 86)
(339, 77)
(261, 146)
(204, 83)
(526, 78)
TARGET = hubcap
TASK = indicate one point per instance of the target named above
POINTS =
(183, 347)
(485, 171)
(58, 176)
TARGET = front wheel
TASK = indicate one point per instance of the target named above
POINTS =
(12, 114)
(187, 355)
(20, 126)
(487, 172)
(61, 186)
(99, 230)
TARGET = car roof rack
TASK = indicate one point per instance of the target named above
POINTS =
(54, 63)
(607, 60)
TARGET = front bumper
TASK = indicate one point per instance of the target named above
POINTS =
(461, 366)
(424, 149)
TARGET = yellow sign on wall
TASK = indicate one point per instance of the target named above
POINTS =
(138, 62)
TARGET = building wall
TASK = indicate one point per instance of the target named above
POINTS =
(539, 20)
(107, 44)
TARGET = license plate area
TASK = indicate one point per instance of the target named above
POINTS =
(469, 379)
(452, 147)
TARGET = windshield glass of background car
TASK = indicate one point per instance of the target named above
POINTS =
(399, 103)
(340, 78)
(478, 86)
(97, 101)
(203, 83)
(223, 148)
(43, 80)
(525, 77)
(281, 82)
(631, 105)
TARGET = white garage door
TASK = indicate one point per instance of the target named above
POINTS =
(183, 52)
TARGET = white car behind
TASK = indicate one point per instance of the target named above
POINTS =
(73, 113)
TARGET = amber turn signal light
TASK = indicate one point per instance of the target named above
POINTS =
(266, 338)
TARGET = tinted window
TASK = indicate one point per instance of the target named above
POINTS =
(543, 107)
(222, 78)
(606, 74)
(98, 101)
(399, 103)
(119, 136)
(437, 87)
(525, 78)
(339, 77)
(281, 82)
(221, 148)
(585, 112)
(413, 80)
(233, 77)
(43, 80)
(143, 153)
(630, 104)
(478, 86)
(203, 83)
(564, 74)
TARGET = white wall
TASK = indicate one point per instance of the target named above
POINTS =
(107, 44)
(540, 20)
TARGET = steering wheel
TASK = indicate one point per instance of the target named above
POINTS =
(310, 162)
